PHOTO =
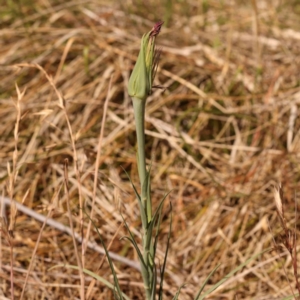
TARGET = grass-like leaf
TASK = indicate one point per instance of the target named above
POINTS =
(160, 205)
(157, 225)
(143, 213)
(116, 281)
(148, 193)
(162, 272)
(133, 242)
(230, 274)
(178, 292)
(153, 287)
(206, 280)
(94, 275)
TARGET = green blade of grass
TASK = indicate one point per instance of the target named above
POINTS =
(178, 292)
(142, 210)
(153, 287)
(206, 280)
(160, 293)
(108, 258)
(135, 247)
(154, 218)
(230, 274)
(92, 274)
(133, 242)
(148, 193)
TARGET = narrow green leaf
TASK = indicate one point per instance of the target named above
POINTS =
(133, 186)
(231, 273)
(108, 258)
(206, 280)
(157, 226)
(115, 295)
(134, 243)
(160, 205)
(92, 274)
(178, 292)
(143, 214)
(162, 273)
(153, 287)
(146, 192)
(148, 236)
(152, 223)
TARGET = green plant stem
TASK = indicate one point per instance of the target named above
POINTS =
(139, 114)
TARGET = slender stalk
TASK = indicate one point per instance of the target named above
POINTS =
(11, 247)
(139, 88)
(139, 114)
(79, 262)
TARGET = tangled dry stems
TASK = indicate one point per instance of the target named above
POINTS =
(220, 136)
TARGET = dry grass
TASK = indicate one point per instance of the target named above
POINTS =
(220, 136)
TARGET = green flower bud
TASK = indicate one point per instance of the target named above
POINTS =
(142, 76)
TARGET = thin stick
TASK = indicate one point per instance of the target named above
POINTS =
(12, 177)
(65, 229)
(34, 251)
(62, 105)
(82, 296)
(93, 282)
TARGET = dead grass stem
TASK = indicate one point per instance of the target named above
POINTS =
(221, 135)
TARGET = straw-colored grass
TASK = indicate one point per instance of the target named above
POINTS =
(220, 135)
